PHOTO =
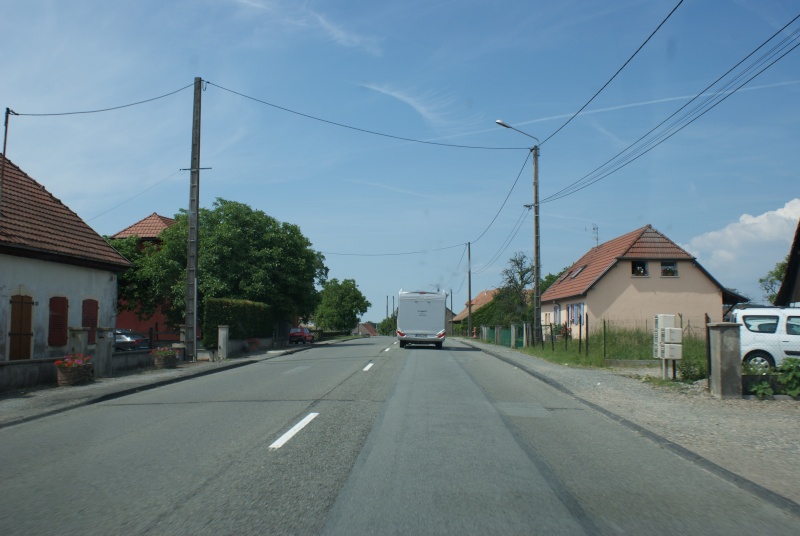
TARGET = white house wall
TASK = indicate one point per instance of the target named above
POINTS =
(42, 280)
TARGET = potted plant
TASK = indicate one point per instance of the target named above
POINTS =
(164, 358)
(74, 369)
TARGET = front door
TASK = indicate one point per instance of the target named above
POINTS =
(21, 335)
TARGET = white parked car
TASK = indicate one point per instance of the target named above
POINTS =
(768, 334)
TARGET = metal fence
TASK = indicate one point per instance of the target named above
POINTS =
(616, 338)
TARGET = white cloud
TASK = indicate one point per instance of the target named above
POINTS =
(742, 252)
(436, 109)
(345, 37)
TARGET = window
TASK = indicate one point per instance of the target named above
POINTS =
(669, 269)
(579, 270)
(575, 313)
(793, 325)
(57, 330)
(639, 268)
(89, 318)
(761, 323)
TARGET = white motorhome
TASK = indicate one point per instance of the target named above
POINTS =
(421, 318)
(768, 334)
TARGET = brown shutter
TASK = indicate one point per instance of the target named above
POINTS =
(89, 318)
(21, 334)
(57, 332)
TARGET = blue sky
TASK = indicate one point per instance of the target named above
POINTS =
(725, 187)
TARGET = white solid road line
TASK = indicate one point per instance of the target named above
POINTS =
(368, 367)
(291, 433)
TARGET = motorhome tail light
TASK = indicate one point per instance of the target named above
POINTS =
(440, 335)
(400, 333)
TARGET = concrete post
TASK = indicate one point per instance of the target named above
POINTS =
(78, 341)
(103, 366)
(222, 342)
(513, 335)
(725, 376)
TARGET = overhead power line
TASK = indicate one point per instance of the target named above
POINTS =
(506, 199)
(504, 245)
(392, 254)
(109, 109)
(655, 137)
(615, 74)
(358, 129)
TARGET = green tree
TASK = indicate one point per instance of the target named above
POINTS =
(340, 306)
(243, 254)
(388, 326)
(512, 303)
(771, 283)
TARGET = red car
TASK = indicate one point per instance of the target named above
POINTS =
(298, 335)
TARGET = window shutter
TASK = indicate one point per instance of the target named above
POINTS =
(57, 332)
(89, 318)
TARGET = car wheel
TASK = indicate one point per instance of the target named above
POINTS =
(760, 360)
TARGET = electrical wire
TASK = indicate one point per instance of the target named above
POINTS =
(391, 254)
(131, 198)
(506, 199)
(357, 129)
(684, 120)
(109, 109)
(505, 243)
(665, 139)
(615, 74)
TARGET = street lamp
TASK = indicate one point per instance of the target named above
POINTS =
(537, 259)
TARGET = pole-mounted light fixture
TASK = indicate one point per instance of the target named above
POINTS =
(537, 260)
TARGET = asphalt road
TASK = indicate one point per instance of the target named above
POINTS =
(411, 441)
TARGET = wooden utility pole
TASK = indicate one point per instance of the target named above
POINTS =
(192, 246)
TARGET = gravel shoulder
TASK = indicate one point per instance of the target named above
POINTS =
(755, 439)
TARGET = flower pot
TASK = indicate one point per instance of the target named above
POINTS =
(165, 361)
(79, 375)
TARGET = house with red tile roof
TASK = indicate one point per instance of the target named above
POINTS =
(366, 328)
(629, 280)
(478, 301)
(154, 327)
(57, 273)
(147, 229)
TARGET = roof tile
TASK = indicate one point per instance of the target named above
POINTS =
(644, 243)
(148, 228)
(32, 220)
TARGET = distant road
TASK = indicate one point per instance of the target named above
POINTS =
(359, 437)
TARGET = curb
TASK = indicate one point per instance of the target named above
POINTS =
(241, 362)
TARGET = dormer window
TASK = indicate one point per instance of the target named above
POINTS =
(579, 270)
(669, 269)
(639, 268)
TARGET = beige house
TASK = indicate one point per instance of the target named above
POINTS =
(630, 279)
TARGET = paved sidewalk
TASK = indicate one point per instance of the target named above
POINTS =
(28, 404)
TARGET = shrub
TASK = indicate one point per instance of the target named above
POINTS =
(692, 367)
(789, 376)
